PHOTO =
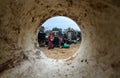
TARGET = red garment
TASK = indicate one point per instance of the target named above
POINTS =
(50, 44)
(50, 36)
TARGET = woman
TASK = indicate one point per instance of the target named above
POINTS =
(50, 39)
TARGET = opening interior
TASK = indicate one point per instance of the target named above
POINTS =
(59, 37)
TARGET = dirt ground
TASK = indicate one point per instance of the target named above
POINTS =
(61, 53)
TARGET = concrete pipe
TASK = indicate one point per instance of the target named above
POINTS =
(99, 53)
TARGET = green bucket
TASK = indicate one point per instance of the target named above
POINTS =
(66, 45)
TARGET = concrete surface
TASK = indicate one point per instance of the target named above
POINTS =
(98, 56)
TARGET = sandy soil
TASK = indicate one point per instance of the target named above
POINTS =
(61, 53)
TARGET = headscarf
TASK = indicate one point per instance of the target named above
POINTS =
(51, 35)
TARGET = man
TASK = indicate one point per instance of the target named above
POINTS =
(41, 37)
(60, 38)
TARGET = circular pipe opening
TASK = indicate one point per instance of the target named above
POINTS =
(59, 37)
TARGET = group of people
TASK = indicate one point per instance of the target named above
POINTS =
(55, 40)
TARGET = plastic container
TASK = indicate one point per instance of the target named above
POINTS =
(66, 45)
